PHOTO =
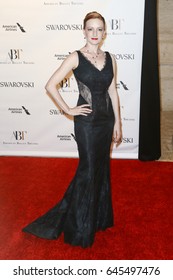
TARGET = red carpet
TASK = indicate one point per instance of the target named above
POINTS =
(143, 207)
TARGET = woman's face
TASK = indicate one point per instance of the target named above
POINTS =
(94, 31)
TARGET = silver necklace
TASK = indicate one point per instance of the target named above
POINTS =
(94, 57)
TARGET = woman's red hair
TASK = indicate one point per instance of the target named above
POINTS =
(93, 15)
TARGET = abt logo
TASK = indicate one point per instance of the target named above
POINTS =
(19, 135)
(65, 83)
(116, 24)
(15, 54)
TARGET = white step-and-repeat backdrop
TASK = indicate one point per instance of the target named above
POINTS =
(35, 38)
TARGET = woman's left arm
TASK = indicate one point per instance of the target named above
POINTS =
(117, 133)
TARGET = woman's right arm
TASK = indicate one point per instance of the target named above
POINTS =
(68, 64)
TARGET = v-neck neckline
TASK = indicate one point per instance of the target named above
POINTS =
(87, 59)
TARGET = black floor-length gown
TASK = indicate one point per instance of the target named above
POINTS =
(86, 206)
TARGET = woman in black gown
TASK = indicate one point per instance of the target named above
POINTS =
(86, 206)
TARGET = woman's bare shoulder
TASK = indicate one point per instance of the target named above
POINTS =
(71, 59)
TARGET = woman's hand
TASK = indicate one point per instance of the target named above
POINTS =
(80, 110)
(117, 134)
